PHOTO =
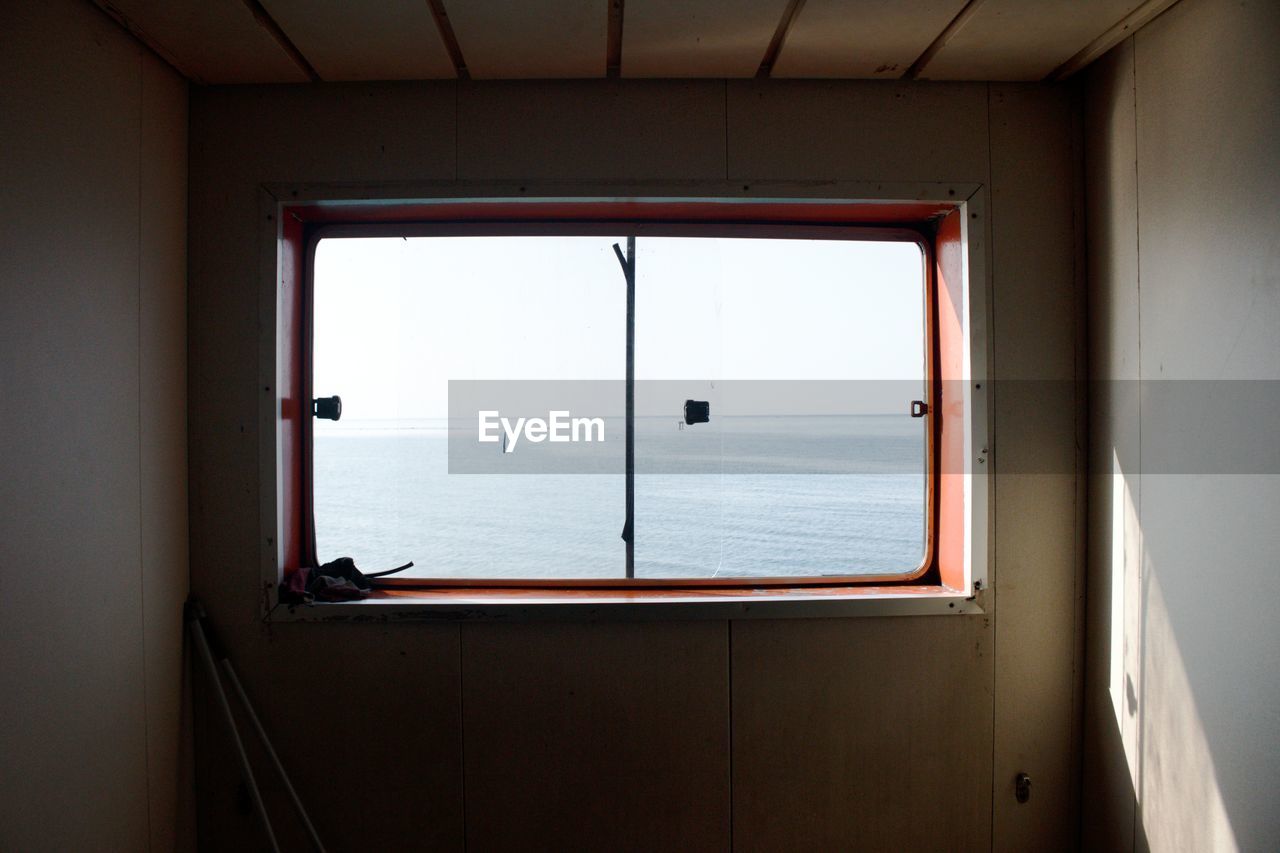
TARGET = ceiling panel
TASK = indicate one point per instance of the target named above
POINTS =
(861, 38)
(388, 40)
(212, 41)
(697, 38)
(1023, 39)
(532, 40)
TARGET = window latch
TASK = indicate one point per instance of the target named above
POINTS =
(327, 408)
(1022, 788)
(697, 411)
(919, 408)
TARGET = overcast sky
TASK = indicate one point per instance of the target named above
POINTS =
(396, 319)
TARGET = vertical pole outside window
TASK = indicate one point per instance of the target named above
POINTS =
(628, 528)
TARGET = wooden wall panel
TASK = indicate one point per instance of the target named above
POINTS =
(390, 40)
(597, 736)
(163, 439)
(1018, 40)
(1036, 586)
(874, 39)
(91, 497)
(1210, 306)
(1206, 176)
(838, 723)
(1183, 258)
(74, 772)
(669, 130)
(848, 130)
(559, 40)
(372, 132)
(698, 38)
(374, 751)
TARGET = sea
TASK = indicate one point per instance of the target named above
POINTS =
(750, 497)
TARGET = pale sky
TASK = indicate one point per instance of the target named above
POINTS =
(396, 318)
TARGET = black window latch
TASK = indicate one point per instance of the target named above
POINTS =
(919, 408)
(327, 408)
(697, 411)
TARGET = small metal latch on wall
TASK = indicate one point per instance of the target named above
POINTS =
(1022, 787)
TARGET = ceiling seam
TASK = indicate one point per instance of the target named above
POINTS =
(948, 32)
(779, 39)
(450, 39)
(144, 38)
(1118, 32)
(613, 50)
(268, 23)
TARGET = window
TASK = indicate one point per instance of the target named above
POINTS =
(603, 400)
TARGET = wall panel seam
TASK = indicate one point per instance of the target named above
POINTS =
(1080, 375)
(726, 129)
(729, 668)
(1142, 610)
(142, 559)
(994, 439)
(462, 738)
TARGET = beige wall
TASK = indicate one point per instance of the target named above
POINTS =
(1184, 652)
(797, 734)
(93, 499)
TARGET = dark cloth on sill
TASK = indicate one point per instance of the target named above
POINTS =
(338, 580)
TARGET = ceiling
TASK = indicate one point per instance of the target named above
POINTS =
(284, 41)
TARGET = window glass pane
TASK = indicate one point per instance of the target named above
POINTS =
(394, 321)
(807, 352)
(810, 353)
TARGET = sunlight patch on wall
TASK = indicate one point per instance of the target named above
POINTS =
(1126, 615)
(1181, 802)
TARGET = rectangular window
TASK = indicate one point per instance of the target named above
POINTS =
(781, 429)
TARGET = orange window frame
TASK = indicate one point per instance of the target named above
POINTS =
(934, 226)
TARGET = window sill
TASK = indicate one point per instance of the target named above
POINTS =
(526, 604)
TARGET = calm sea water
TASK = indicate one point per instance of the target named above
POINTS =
(750, 497)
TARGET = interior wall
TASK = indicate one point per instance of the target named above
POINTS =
(791, 734)
(94, 750)
(1183, 676)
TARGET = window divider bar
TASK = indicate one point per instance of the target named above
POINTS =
(628, 528)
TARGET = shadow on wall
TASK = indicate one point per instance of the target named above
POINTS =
(1180, 714)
